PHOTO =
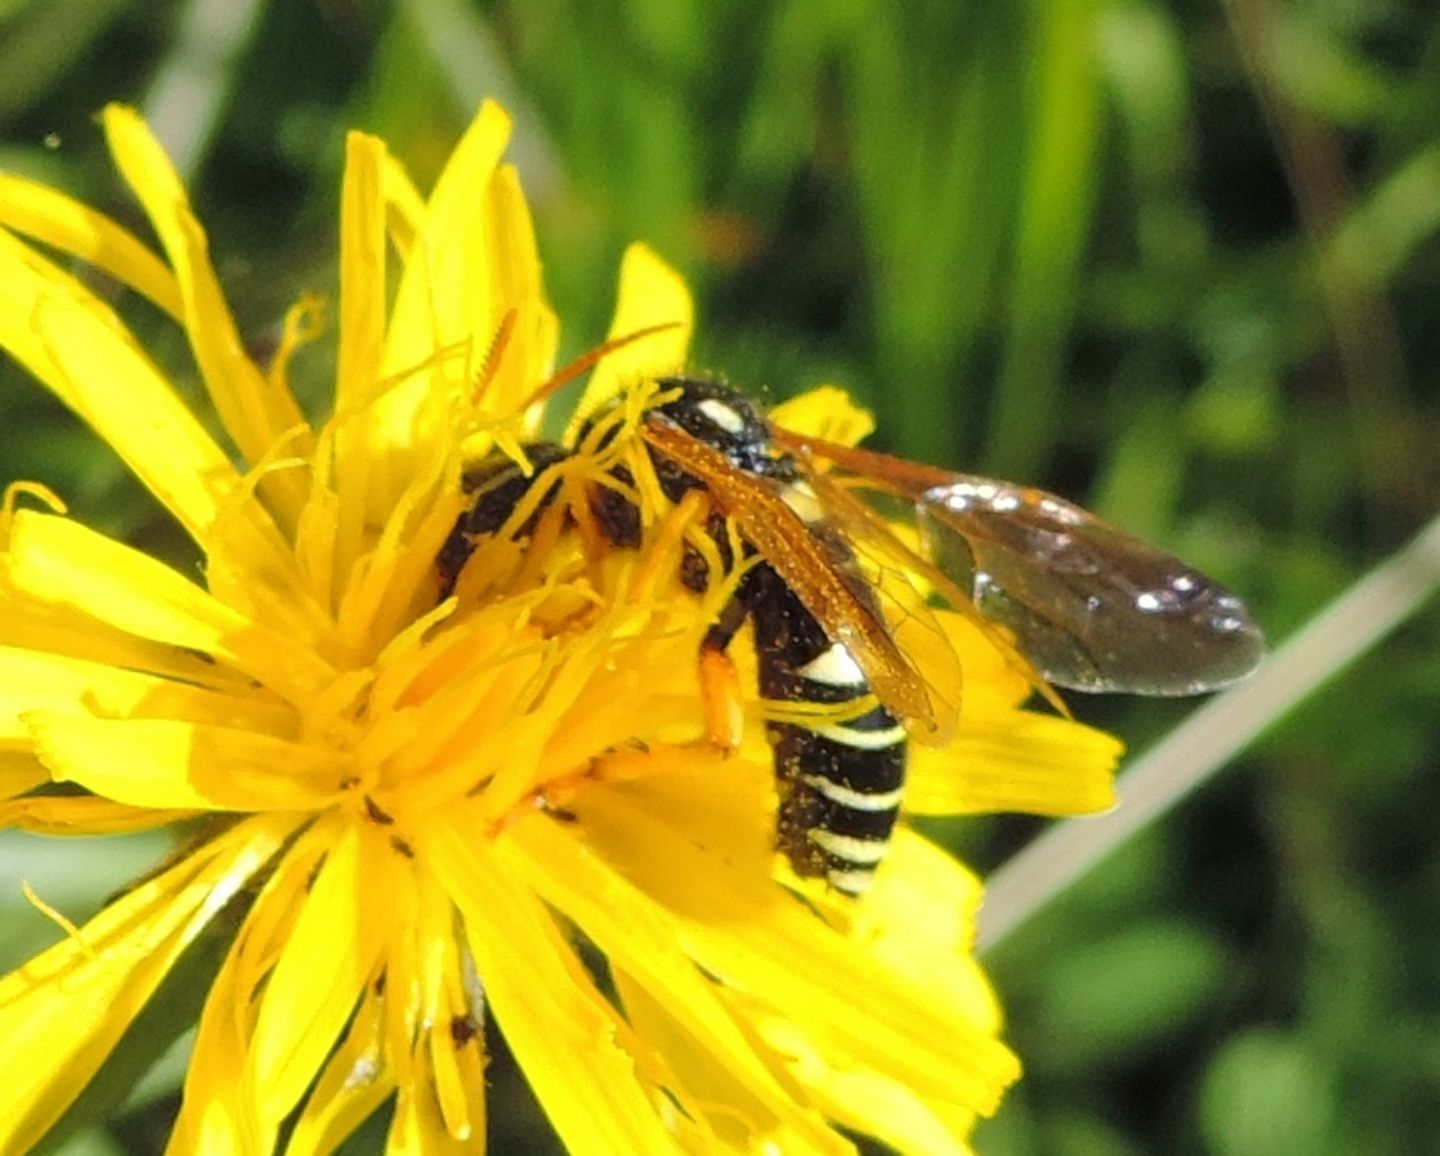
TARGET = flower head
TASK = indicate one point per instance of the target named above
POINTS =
(420, 804)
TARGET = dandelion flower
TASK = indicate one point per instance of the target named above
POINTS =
(426, 813)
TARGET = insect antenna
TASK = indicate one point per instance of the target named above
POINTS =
(588, 360)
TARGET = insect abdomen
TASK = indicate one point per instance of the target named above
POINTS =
(498, 485)
(840, 783)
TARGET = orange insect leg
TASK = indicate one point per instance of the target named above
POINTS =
(721, 699)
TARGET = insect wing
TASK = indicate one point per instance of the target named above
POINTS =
(904, 584)
(1091, 607)
(878, 539)
(788, 544)
(1094, 608)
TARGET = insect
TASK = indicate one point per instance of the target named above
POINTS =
(1087, 606)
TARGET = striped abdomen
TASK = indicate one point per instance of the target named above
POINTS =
(840, 783)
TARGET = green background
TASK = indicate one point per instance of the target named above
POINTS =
(1175, 261)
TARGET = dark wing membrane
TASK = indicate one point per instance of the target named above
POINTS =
(783, 539)
(1092, 607)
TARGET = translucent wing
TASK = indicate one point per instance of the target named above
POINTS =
(783, 539)
(898, 567)
(901, 580)
(1092, 607)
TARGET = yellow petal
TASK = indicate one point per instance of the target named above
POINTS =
(361, 338)
(842, 998)
(514, 264)
(637, 937)
(55, 560)
(270, 591)
(566, 1038)
(166, 763)
(997, 672)
(54, 219)
(328, 958)
(83, 815)
(304, 324)
(19, 772)
(825, 412)
(30, 682)
(722, 1105)
(356, 1080)
(442, 301)
(318, 538)
(449, 1052)
(419, 1127)
(883, 1108)
(406, 964)
(1015, 761)
(651, 293)
(63, 1012)
(444, 307)
(362, 271)
(726, 812)
(212, 1119)
(254, 413)
(218, 1110)
(404, 206)
(379, 599)
(437, 1012)
(76, 634)
(920, 921)
(76, 346)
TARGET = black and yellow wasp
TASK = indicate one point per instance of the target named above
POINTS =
(1086, 605)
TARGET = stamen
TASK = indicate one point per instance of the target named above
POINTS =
(490, 367)
(11, 501)
(665, 550)
(65, 924)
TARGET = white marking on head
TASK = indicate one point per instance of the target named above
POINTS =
(849, 736)
(722, 416)
(851, 848)
(833, 667)
(850, 797)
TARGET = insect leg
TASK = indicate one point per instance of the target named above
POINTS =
(721, 696)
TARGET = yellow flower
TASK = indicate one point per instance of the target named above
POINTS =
(425, 808)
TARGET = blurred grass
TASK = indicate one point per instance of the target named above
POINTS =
(1178, 261)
